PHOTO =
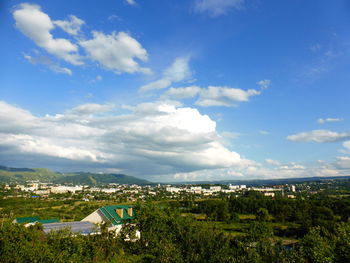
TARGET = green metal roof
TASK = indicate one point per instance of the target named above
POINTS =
(111, 214)
(31, 219)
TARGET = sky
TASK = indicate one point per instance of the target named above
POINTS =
(171, 90)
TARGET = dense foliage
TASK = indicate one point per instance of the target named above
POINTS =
(171, 232)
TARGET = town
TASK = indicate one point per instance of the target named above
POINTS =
(133, 193)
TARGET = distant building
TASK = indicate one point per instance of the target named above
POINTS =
(215, 188)
(42, 192)
(292, 188)
(173, 189)
(269, 194)
(109, 190)
(233, 187)
(61, 189)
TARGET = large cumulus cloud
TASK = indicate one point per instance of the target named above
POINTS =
(149, 139)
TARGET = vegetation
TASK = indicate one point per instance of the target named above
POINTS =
(251, 228)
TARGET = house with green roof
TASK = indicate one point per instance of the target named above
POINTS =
(27, 221)
(113, 215)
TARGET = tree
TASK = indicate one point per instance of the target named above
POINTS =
(316, 248)
(259, 230)
(342, 244)
(262, 215)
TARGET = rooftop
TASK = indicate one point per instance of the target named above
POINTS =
(116, 214)
(84, 228)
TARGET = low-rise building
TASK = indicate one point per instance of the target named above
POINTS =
(114, 216)
(61, 189)
(173, 189)
(215, 188)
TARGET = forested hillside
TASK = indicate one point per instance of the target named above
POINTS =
(21, 175)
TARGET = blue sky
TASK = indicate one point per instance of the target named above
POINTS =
(176, 90)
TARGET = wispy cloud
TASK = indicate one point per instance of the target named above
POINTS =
(217, 7)
(320, 136)
(130, 2)
(216, 95)
(182, 93)
(71, 26)
(47, 62)
(322, 121)
(177, 72)
(264, 84)
(263, 132)
(224, 96)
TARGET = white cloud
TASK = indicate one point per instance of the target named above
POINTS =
(116, 52)
(62, 70)
(71, 26)
(43, 146)
(254, 170)
(130, 2)
(96, 79)
(178, 71)
(212, 96)
(36, 25)
(114, 17)
(347, 145)
(322, 121)
(224, 96)
(153, 139)
(182, 93)
(320, 136)
(263, 132)
(91, 108)
(273, 162)
(264, 84)
(217, 7)
(231, 135)
(159, 137)
(46, 61)
(14, 119)
(343, 162)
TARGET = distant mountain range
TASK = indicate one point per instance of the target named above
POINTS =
(264, 182)
(21, 175)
